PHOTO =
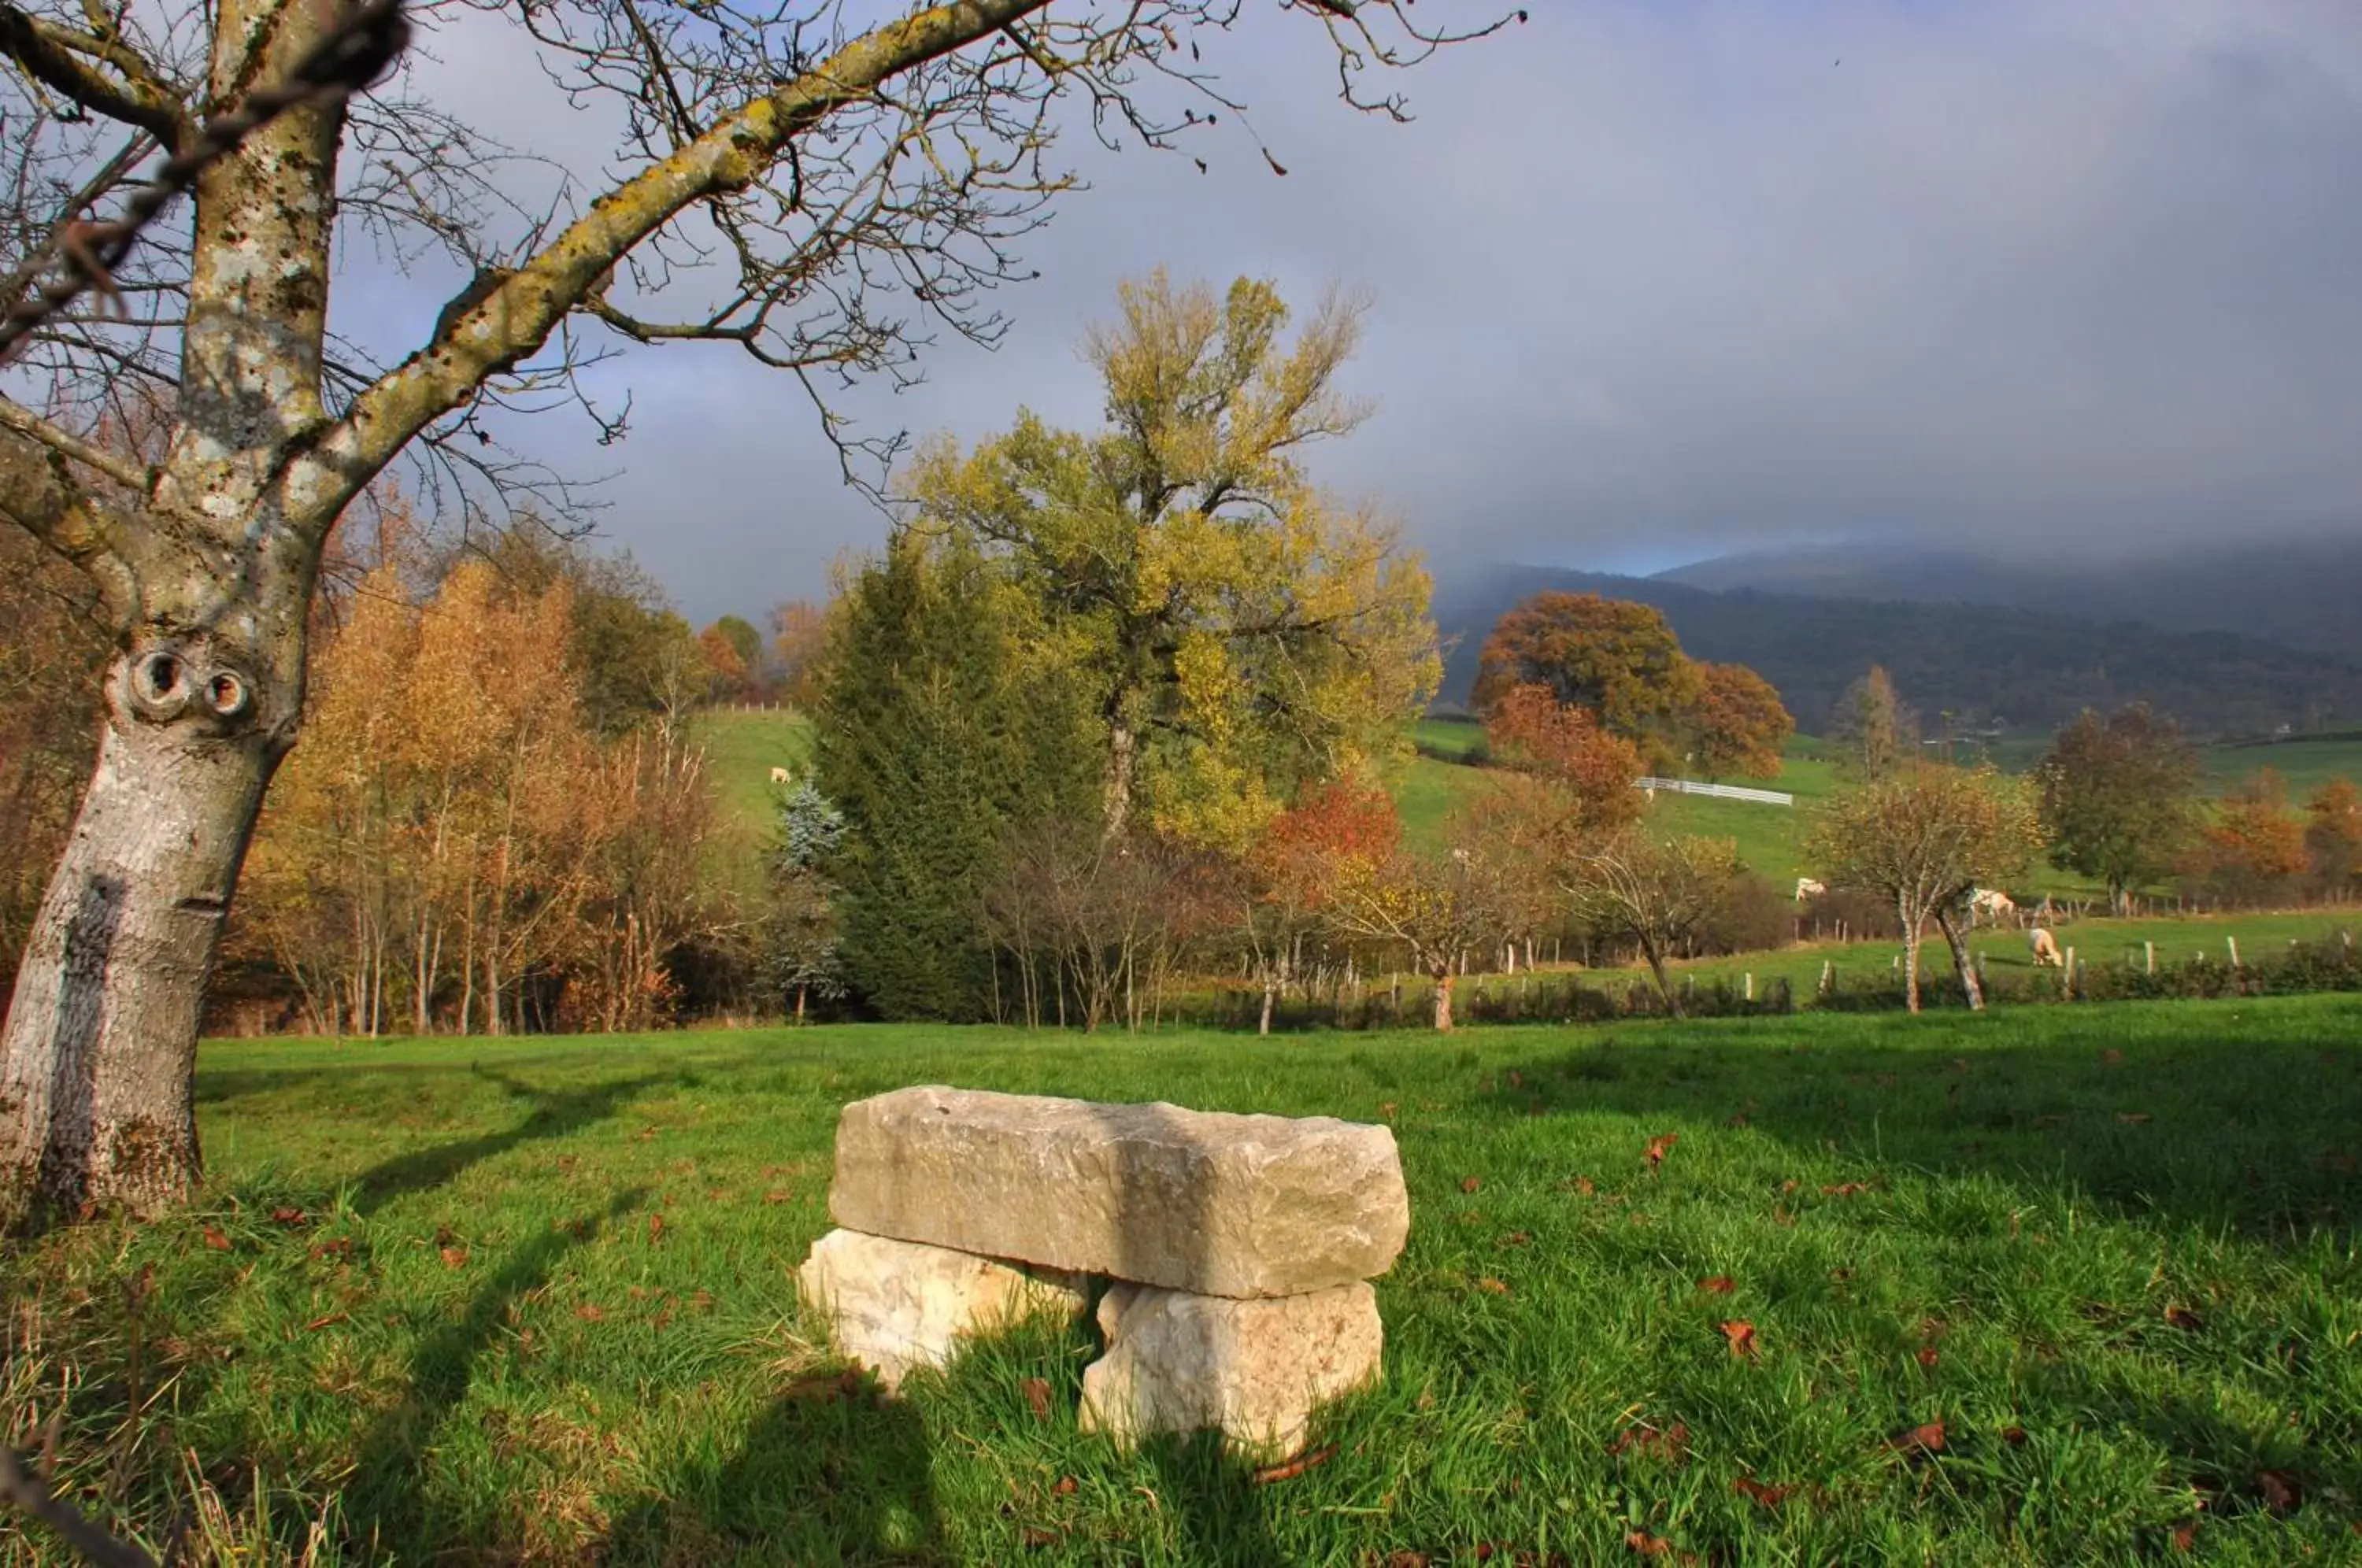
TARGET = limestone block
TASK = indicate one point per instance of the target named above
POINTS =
(894, 1306)
(1204, 1201)
(1180, 1362)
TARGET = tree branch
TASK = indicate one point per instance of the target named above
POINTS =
(514, 320)
(121, 469)
(58, 60)
(21, 1489)
(39, 495)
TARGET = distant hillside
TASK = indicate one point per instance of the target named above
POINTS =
(2300, 592)
(2030, 669)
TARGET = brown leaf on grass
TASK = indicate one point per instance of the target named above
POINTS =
(1492, 1286)
(288, 1217)
(1756, 1492)
(216, 1240)
(1718, 1284)
(1515, 1239)
(1670, 1444)
(1290, 1469)
(778, 1195)
(1470, 1184)
(340, 1247)
(2134, 1118)
(1066, 1488)
(1842, 1274)
(590, 1313)
(702, 1299)
(1741, 1335)
(1582, 1186)
(656, 1228)
(1386, 1108)
(644, 1133)
(1929, 1355)
(2281, 1493)
(1845, 1189)
(1661, 1145)
(454, 1257)
(316, 1324)
(1647, 1545)
(1037, 1538)
(2185, 1536)
(2181, 1317)
(2013, 1436)
(1037, 1395)
(1401, 1559)
(2111, 1057)
(1929, 1438)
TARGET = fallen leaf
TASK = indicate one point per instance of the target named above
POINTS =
(1840, 1275)
(1492, 1286)
(2111, 1057)
(702, 1299)
(590, 1313)
(1037, 1538)
(1386, 1108)
(1756, 1491)
(1066, 1488)
(340, 1247)
(1037, 1395)
(1406, 1560)
(1719, 1285)
(286, 1216)
(1647, 1545)
(1515, 1239)
(216, 1240)
(454, 1257)
(2013, 1436)
(1658, 1146)
(2134, 1118)
(2279, 1490)
(2185, 1536)
(2184, 1318)
(1845, 1189)
(1741, 1335)
(1929, 1438)
(1470, 1184)
(1293, 1468)
(1582, 1187)
(318, 1323)
(1669, 1443)
(1929, 1355)
(778, 1196)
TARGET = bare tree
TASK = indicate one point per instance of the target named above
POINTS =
(1654, 893)
(1436, 903)
(820, 194)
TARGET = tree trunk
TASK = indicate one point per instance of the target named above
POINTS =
(1913, 930)
(1123, 749)
(1270, 994)
(1656, 958)
(96, 1103)
(1963, 959)
(1443, 999)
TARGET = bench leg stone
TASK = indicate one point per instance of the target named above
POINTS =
(895, 1306)
(1178, 1363)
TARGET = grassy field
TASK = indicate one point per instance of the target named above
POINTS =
(2056, 1285)
(2306, 764)
(742, 746)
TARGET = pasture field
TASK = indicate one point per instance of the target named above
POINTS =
(2066, 1284)
(742, 746)
(2306, 764)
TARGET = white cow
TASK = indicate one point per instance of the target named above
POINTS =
(1808, 889)
(779, 776)
(1991, 904)
(2046, 949)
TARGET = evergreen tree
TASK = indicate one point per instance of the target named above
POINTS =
(941, 720)
(800, 959)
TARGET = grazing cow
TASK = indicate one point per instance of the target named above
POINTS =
(779, 776)
(2046, 949)
(1808, 889)
(1988, 903)
(1649, 791)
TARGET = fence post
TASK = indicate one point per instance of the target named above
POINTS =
(2149, 956)
(1750, 985)
(2233, 942)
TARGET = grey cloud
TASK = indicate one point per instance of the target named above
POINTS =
(1654, 280)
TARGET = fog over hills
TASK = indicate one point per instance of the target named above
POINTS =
(2029, 668)
(2305, 592)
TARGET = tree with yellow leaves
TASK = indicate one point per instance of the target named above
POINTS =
(1238, 633)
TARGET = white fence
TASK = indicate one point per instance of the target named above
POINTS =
(1720, 791)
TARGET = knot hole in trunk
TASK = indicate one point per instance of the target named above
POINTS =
(165, 683)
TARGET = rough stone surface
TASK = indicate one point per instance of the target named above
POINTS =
(895, 1306)
(1221, 1205)
(1180, 1362)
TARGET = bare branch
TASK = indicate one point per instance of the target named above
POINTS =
(23, 1490)
(121, 469)
(63, 62)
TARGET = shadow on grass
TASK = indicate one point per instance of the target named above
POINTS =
(384, 1506)
(830, 1472)
(2257, 1132)
(554, 1113)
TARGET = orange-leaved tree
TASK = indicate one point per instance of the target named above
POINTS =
(2333, 836)
(1737, 724)
(1616, 657)
(1286, 876)
(2251, 847)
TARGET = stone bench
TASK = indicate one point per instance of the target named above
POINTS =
(1237, 1249)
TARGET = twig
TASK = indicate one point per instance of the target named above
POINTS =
(23, 1490)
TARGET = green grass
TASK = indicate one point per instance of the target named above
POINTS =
(2111, 1250)
(2307, 764)
(742, 746)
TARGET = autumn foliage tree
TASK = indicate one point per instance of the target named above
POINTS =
(1436, 903)
(1922, 837)
(2251, 848)
(1236, 632)
(1283, 881)
(1874, 731)
(1652, 892)
(870, 176)
(2333, 836)
(1615, 658)
(1736, 724)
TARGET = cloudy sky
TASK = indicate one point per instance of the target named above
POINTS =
(1656, 278)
